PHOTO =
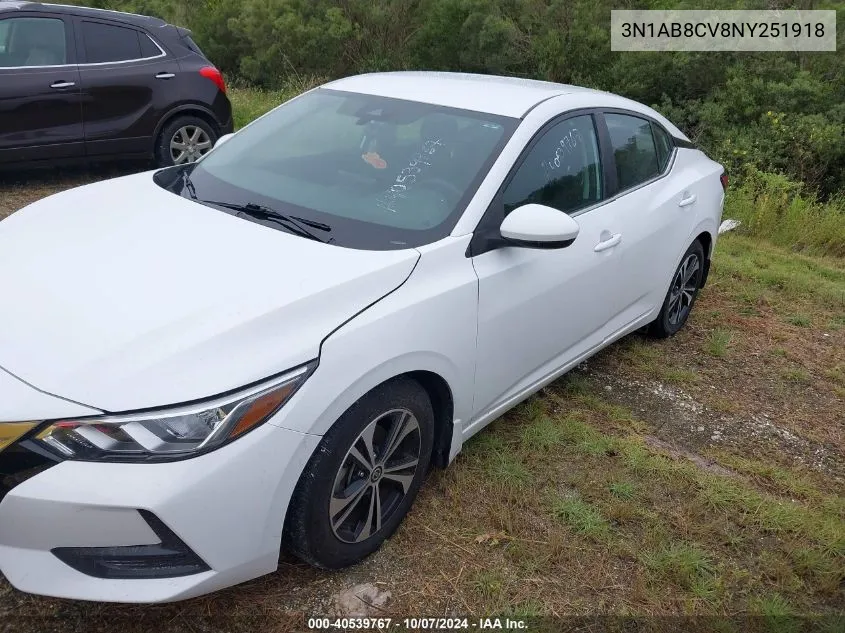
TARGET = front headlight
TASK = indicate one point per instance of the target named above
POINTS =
(171, 433)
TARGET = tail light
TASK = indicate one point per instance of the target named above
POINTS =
(724, 180)
(210, 72)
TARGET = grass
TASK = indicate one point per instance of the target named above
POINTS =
(250, 103)
(680, 376)
(623, 490)
(580, 516)
(718, 342)
(796, 375)
(544, 434)
(778, 210)
(682, 563)
(506, 469)
(800, 320)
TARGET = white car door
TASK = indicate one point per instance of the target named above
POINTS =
(540, 309)
(657, 211)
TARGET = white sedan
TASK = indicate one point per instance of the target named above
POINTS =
(270, 348)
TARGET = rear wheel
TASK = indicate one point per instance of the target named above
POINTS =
(183, 140)
(363, 478)
(682, 293)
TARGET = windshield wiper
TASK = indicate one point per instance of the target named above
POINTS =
(292, 223)
(187, 185)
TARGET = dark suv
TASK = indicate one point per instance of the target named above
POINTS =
(79, 83)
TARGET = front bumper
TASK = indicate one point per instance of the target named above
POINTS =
(227, 506)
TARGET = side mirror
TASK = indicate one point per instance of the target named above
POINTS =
(538, 226)
(223, 139)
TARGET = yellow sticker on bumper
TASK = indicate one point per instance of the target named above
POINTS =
(11, 431)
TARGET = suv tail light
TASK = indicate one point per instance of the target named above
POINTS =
(210, 72)
(724, 180)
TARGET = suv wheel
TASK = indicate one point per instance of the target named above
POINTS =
(363, 478)
(183, 140)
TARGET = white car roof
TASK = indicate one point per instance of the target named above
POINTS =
(505, 96)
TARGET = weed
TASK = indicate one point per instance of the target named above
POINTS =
(796, 375)
(507, 469)
(544, 434)
(489, 585)
(577, 384)
(531, 409)
(680, 376)
(718, 342)
(685, 564)
(581, 516)
(800, 320)
(622, 490)
(778, 613)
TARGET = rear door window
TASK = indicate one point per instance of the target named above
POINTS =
(633, 149)
(110, 43)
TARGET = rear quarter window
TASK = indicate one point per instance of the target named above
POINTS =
(663, 142)
(190, 43)
(110, 43)
(148, 48)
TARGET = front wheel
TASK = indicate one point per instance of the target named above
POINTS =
(363, 478)
(682, 293)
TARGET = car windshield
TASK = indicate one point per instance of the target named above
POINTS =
(381, 173)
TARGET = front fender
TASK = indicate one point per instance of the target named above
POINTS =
(428, 324)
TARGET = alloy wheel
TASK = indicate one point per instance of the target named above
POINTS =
(188, 144)
(684, 287)
(375, 475)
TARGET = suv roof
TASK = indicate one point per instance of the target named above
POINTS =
(130, 18)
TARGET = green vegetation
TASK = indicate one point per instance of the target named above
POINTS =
(717, 344)
(250, 103)
(780, 113)
(622, 489)
(783, 211)
(580, 515)
(682, 563)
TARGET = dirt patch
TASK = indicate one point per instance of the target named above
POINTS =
(675, 452)
(677, 418)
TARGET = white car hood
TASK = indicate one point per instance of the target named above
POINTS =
(123, 296)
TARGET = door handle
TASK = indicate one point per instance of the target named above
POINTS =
(58, 85)
(165, 76)
(687, 200)
(608, 243)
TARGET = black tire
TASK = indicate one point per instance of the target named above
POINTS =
(330, 543)
(163, 155)
(683, 291)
